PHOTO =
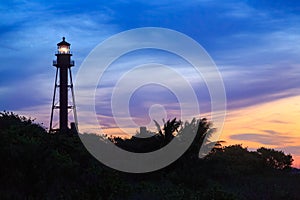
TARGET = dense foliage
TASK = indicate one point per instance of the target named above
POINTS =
(38, 165)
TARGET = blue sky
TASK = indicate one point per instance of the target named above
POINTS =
(255, 44)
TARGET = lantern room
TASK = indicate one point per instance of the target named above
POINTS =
(63, 47)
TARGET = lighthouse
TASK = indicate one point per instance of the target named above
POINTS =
(64, 84)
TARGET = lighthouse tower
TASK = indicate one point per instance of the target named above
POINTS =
(63, 84)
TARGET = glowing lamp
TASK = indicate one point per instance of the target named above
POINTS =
(63, 47)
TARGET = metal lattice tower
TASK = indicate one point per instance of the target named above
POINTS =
(63, 83)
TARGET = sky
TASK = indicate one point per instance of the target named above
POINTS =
(254, 44)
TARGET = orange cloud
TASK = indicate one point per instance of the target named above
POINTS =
(273, 124)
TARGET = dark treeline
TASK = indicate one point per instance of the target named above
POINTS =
(39, 165)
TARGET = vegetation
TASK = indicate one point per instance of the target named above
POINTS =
(38, 165)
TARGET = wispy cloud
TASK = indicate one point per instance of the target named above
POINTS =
(267, 138)
(30, 28)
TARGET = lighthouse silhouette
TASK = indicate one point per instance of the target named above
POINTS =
(63, 84)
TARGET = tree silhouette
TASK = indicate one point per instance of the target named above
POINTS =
(172, 129)
(275, 159)
(39, 165)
